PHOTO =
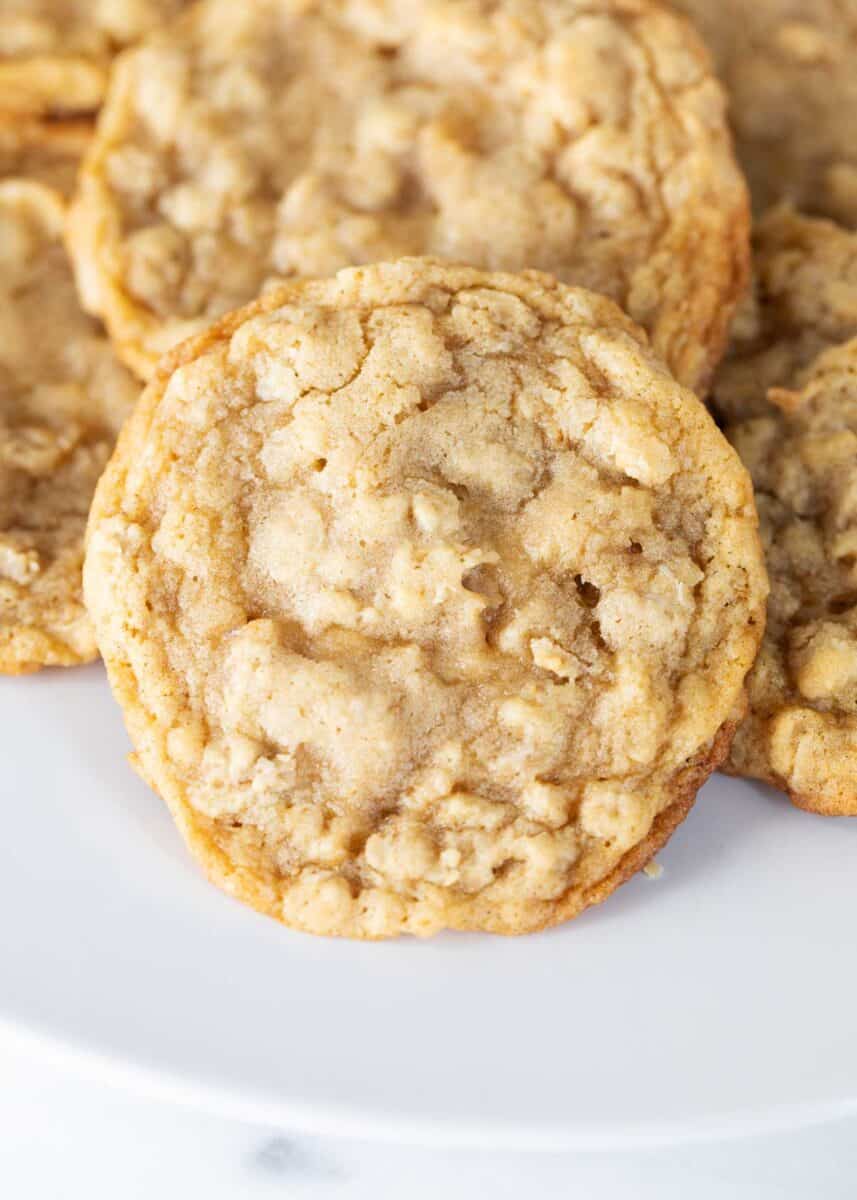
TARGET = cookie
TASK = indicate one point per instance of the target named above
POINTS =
(428, 596)
(248, 143)
(804, 301)
(55, 54)
(801, 731)
(47, 152)
(790, 67)
(62, 397)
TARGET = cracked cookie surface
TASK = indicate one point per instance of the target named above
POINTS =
(790, 67)
(787, 393)
(803, 301)
(295, 137)
(801, 730)
(428, 596)
(55, 54)
(62, 397)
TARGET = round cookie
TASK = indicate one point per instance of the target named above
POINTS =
(428, 596)
(804, 301)
(790, 67)
(55, 54)
(62, 398)
(801, 731)
(47, 152)
(295, 137)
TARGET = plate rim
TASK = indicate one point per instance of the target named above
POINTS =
(98, 1038)
(170, 1085)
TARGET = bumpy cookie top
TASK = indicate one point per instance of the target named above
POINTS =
(801, 733)
(421, 587)
(295, 137)
(804, 301)
(790, 67)
(62, 397)
(54, 54)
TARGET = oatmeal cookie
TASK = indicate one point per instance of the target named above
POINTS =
(62, 397)
(290, 138)
(801, 732)
(803, 301)
(47, 152)
(428, 596)
(790, 67)
(55, 54)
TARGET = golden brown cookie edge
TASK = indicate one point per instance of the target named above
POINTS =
(215, 864)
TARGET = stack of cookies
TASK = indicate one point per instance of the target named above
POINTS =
(427, 582)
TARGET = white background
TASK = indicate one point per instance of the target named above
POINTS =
(63, 1135)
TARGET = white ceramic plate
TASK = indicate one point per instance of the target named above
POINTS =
(718, 999)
